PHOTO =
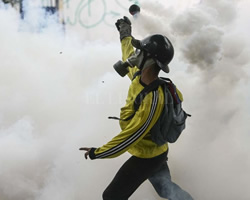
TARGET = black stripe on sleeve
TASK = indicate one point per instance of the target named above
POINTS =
(137, 134)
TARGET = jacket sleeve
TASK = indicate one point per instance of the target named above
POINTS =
(144, 119)
(127, 51)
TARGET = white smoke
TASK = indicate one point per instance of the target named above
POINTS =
(211, 160)
(56, 93)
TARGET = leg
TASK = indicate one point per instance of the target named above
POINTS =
(130, 176)
(165, 188)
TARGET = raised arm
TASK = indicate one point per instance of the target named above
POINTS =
(124, 27)
(127, 51)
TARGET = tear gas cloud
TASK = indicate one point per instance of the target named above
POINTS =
(56, 91)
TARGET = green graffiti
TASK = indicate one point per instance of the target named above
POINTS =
(89, 17)
(85, 16)
(68, 21)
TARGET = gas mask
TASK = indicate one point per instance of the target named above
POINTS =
(138, 59)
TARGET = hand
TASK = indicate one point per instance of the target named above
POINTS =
(85, 149)
(124, 27)
(121, 21)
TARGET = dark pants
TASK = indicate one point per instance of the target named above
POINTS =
(136, 170)
(131, 175)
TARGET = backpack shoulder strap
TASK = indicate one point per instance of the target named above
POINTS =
(139, 98)
(172, 89)
(151, 87)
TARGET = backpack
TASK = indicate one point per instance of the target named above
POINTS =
(172, 120)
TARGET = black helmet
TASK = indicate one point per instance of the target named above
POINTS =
(159, 47)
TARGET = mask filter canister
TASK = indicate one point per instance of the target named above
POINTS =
(121, 68)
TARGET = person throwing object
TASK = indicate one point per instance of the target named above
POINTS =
(148, 160)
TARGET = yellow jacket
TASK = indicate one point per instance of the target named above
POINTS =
(135, 133)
